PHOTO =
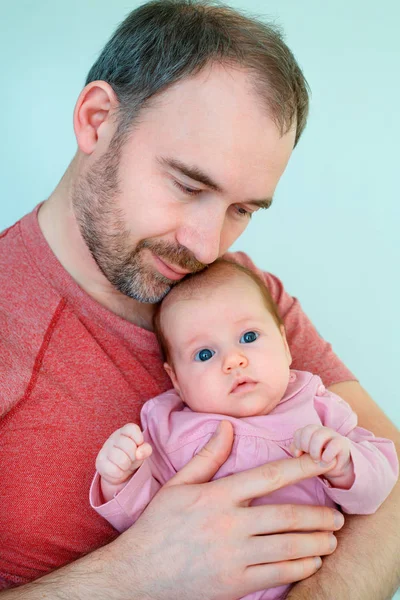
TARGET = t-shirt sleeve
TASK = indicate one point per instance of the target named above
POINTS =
(310, 352)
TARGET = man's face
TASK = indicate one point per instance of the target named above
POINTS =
(181, 190)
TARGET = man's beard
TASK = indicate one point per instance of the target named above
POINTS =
(101, 224)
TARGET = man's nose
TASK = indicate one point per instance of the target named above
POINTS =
(203, 237)
(234, 360)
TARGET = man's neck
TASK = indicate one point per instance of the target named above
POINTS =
(60, 229)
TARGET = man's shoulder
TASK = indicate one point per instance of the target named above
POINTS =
(23, 288)
(27, 307)
(23, 335)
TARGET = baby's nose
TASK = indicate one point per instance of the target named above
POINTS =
(234, 361)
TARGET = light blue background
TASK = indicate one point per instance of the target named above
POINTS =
(332, 234)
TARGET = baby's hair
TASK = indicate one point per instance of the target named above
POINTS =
(214, 275)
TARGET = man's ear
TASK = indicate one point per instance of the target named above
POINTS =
(285, 343)
(171, 374)
(93, 115)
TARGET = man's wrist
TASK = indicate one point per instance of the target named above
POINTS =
(355, 571)
(93, 576)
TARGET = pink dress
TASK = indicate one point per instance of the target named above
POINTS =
(176, 434)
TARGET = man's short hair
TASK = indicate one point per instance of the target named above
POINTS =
(165, 41)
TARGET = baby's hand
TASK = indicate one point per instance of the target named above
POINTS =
(122, 454)
(325, 445)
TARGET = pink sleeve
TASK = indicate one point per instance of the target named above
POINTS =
(127, 506)
(375, 459)
(310, 352)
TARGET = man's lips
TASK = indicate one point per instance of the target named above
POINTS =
(173, 273)
(243, 384)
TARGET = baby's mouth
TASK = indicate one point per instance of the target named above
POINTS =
(242, 385)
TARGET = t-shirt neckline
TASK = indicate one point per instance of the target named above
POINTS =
(54, 275)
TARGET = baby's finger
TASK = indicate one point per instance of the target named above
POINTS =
(144, 451)
(121, 458)
(332, 450)
(295, 451)
(132, 431)
(303, 436)
(319, 440)
(127, 445)
(110, 471)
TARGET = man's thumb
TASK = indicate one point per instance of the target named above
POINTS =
(205, 464)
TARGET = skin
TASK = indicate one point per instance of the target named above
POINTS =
(373, 539)
(143, 203)
(248, 165)
(266, 360)
(246, 343)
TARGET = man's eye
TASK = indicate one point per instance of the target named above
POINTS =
(243, 212)
(248, 337)
(185, 189)
(204, 354)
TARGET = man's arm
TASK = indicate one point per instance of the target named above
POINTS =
(366, 563)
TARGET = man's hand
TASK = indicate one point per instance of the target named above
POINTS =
(203, 540)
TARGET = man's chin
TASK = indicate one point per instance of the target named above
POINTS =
(146, 296)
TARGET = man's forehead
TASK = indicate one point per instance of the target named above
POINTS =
(215, 125)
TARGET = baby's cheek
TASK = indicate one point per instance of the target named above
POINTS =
(199, 394)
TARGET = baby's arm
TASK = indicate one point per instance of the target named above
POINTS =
(360, 485)
(122, 454)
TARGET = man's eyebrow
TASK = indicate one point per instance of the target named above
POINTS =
(198, 175)
(192, 172)
(260, 203)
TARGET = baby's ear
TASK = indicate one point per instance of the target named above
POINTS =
(171, 374)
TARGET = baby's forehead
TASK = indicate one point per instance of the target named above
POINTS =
(230, 291)
(206, 287)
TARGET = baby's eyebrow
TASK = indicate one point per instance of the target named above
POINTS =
(194, 340)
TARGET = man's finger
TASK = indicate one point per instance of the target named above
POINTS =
(280, 573)
(205, 464)
(254, 483)
(289, 546)
(281, 518)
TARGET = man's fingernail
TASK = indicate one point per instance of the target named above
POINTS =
(318, 562)
(338, 519)
(332, 542)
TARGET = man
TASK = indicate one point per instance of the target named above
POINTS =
(185, 126)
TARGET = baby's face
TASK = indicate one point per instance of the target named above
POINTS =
(229, 356)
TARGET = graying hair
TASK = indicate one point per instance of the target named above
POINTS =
(164, 41)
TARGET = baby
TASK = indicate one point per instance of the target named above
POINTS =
(227, 356)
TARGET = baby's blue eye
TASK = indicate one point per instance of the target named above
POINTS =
(204, 354)
(248, 337)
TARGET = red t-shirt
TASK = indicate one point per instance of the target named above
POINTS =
(71, 372)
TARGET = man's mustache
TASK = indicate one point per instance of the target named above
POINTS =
(175, 255)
